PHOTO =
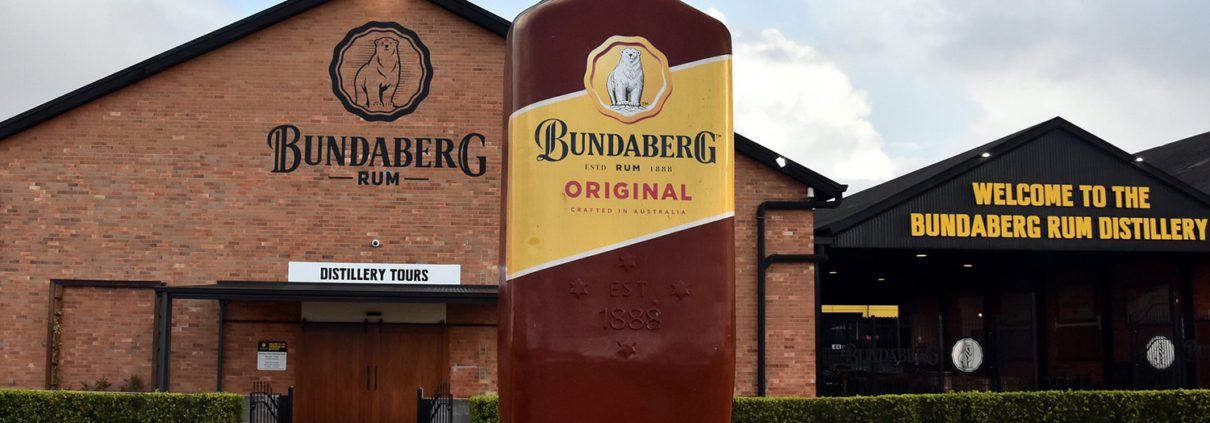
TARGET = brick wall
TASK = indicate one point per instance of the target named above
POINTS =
(169, 179)
(241, 335)
(106, 333)
(472, 349)
(789, 289)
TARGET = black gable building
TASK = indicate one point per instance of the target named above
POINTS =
(1048, 259)
(1187, 160)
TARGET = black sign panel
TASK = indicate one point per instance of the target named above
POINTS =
(271, 346)
(1056, 192)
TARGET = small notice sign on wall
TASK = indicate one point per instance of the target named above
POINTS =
(271, 356)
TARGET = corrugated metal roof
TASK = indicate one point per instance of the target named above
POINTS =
(1187, 160)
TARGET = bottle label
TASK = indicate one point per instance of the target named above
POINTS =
(645, 150)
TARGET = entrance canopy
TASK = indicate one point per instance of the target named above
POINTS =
(335, 292)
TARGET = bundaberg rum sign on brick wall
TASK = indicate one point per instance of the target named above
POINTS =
(618, 303)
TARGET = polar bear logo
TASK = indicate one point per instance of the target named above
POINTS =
(625, 83)
(377, 80)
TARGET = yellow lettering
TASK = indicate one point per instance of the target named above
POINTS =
(1117, 196)
(1084, 227)
(932, 225)
(963, 223)
(1037, 196)
(917, 224)
(977, 226)
(983, 193)
(947, 225)
(1106, 226)
(1018, 227)
(1035, 227)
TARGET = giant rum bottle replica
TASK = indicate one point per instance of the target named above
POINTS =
(619, 264)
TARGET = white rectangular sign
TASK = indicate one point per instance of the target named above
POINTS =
(271, 361)
(430, 274)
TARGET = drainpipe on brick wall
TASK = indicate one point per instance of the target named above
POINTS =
(763, 262)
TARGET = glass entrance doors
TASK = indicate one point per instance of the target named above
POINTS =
(1019, 322)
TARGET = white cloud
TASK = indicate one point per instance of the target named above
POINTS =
(717, 14)
(793, 100)
(55, 46)
(1131, 73)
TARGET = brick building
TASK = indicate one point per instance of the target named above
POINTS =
(170, 222)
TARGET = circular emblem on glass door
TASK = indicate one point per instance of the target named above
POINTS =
(967, 355)
(1160, 352)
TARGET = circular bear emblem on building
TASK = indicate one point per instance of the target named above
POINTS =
(381, 71)
(628, 79)
(1161, 352)
(967, 355)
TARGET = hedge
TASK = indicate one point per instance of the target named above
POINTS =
(1046, 406)
(28, 406)
(485, 409)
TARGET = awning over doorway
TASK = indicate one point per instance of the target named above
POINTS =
(335, 292)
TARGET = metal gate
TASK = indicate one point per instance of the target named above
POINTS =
(264, 406)
(1157, 351)
(869, 356)
(438, 409)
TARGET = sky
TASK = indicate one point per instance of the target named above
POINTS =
(861, 91)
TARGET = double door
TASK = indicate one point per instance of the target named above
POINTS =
(366, 373)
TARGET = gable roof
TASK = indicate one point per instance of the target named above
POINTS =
(871, 202)
(825, 189)
(155, 65)
(1187, 160)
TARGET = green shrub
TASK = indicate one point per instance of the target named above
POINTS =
(485, 409)
(28, 406)
(973, 407)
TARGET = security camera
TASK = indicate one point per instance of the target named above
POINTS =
(375, 243)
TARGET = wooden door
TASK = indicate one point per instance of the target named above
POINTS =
(407, 357)
(334, 375)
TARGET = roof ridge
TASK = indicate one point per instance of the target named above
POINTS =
(290, 8)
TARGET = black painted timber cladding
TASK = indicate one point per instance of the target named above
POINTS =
(1056, 156)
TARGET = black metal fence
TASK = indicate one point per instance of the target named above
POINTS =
(438, 409)
(265, 406)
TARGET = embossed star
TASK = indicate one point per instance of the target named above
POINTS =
(627, 349)
(680, 290)
(628, 261)
(578, 288)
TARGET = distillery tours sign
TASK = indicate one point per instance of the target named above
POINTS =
(380, 71)
(430, 274)
(1097, 214)
(619, 223)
